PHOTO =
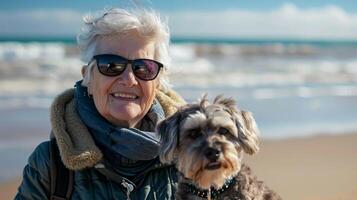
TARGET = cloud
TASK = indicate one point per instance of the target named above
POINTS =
(287, 21)
(40, 22)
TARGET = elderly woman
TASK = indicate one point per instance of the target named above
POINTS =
(104, 127)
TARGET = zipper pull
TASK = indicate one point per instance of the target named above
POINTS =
(129, 188)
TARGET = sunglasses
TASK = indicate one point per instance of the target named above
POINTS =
(114, 65)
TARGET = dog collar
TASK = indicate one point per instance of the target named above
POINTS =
(204, 193)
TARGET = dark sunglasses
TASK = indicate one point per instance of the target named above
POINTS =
(114, 65)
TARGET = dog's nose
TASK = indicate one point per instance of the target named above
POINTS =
(212, 154)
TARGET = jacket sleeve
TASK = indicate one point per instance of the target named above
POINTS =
(35, 181)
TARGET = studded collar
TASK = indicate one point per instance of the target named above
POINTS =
(192, 189)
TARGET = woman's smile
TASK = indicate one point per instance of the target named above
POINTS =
(124, 96)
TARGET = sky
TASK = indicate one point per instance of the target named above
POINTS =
(298, 19)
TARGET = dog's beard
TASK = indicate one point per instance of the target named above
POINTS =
(192, 164)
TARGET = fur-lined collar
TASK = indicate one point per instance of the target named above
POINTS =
(76, 145)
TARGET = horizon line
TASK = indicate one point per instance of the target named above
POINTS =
(189, 39)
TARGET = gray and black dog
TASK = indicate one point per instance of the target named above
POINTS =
(206, 142)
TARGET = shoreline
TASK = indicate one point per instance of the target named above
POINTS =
(301, 168)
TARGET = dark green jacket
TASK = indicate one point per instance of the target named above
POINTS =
(90, 184)
(80, 154)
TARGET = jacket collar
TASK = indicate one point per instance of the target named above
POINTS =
(76, 145)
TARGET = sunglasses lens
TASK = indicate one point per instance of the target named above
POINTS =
(146, 69)
(114, 65)
(110, 65)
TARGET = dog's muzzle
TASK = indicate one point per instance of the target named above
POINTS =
(212, 154)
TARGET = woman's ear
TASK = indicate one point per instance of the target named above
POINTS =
(84, 70)
(158, 81)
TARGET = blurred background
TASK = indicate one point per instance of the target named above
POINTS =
(292, 63)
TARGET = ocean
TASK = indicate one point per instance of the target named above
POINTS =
(294, 88)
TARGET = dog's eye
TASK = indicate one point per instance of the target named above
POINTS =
(223, 131)
(194, 133)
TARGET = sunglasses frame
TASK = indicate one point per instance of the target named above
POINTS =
(128, 61)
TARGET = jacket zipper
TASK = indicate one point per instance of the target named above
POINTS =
(129, 188)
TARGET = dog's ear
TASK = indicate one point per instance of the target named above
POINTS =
(247, 128)
(229, 104)
(248, 133)
(168, 130)
(204, 101)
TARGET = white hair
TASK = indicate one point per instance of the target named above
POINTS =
(116, 21)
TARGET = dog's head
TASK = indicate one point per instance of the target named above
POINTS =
(206, 141)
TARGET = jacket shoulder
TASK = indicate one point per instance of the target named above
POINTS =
(39, 160)
(35, 180)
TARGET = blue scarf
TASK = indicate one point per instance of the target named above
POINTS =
(129, 150)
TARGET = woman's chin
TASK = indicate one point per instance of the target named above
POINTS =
(126, 116)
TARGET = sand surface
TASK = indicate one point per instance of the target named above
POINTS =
(320, 167)
(315, 168)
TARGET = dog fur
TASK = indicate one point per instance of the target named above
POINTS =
(206, 142)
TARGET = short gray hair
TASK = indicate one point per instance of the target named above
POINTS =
(116, 21)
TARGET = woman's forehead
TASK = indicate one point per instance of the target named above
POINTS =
(130, 46)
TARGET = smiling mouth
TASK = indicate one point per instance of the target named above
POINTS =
(213, 165)
(124, 96)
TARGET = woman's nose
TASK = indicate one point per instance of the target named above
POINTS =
(127, 78)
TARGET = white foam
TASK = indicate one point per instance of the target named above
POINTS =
(45, 69)
(12, 51)
(182, 51)
(184, 60)
(25, 102)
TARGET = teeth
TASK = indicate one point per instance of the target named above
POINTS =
(123, 95)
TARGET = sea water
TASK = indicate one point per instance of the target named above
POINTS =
(293, 88)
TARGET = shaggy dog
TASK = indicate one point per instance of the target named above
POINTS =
(206, 143)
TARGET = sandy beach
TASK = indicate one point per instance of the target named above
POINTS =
(315, 168)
